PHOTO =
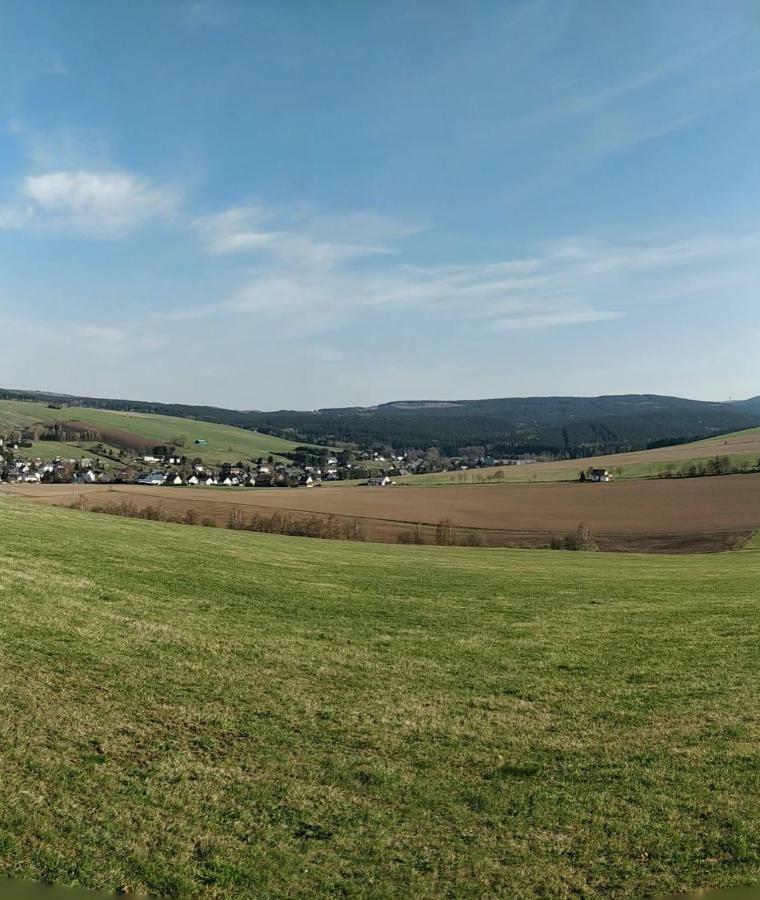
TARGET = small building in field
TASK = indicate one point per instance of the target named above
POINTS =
(379, 482)
(193, 479)
(600, 475)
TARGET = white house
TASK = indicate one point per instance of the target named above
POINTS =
(193, 479)
(154, 478)
(174, 479)
(600, 475)
(379, 482)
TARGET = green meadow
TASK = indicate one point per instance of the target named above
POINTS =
(532, 474)
(224, 443)
(199, 712)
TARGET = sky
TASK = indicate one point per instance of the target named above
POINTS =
(281, 204)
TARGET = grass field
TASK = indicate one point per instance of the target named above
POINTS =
(193, 711)
(224, 443)
(741, 447)
(52, 449)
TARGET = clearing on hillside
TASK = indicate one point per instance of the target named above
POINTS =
(192, 712)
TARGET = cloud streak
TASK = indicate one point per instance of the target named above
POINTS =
(307, 286)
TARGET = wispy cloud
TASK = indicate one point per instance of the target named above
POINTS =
(104, 204)
(563, 283)
(300, 238)
(552, 319)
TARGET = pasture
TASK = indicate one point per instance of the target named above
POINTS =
(741, 447)
(193, 712)
(224, 443)
(658, 515)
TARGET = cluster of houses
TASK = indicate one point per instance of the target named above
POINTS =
(164, 466)
(596, 475)
(173, 470)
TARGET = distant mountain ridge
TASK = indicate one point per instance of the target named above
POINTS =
(564, 426)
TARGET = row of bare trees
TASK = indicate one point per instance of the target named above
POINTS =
(445, 533)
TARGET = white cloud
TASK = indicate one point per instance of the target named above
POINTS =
(97, 204)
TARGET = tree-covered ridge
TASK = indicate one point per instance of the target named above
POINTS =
(563, 426)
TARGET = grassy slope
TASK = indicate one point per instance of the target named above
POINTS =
(225, 443)
(695, 452)
(190, 710)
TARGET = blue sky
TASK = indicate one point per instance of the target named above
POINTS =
(292, 204)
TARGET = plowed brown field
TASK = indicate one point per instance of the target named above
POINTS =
(666, 515)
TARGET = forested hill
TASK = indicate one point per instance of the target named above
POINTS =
(565, 426)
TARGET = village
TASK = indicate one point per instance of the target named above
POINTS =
(166, 466)
(88, 455)
(172, 466)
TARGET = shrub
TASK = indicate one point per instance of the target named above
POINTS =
(236, 520)
(444, 533)
(584, 537)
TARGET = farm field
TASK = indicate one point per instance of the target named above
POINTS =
(742, 448)
(677, 515)
(191, 712)
(224, 443)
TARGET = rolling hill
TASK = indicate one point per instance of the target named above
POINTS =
(563, 426)
(573, 426)
(742, 449)
(138, 430)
